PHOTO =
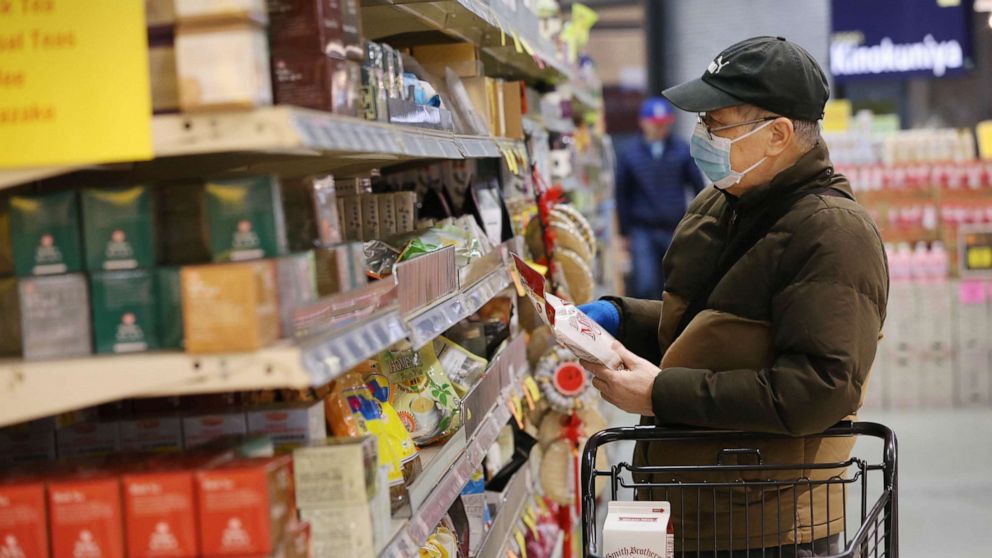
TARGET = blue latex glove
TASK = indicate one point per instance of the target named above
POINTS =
(603, 313)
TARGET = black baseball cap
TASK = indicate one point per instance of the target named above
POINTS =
(767, 72)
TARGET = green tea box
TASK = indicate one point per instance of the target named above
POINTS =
(55, 316)
(10, 318)
(296, 285)
(246, 219)
(125, 315)
(118, 231)
(183, 235)
(44, 229)
(170, 307)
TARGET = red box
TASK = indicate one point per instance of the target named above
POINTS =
(160, 514)
(23, 522)
(85, 517)
(245, 506)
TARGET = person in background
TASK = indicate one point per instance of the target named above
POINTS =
(653, 176)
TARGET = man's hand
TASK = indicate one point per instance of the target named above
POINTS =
(628, 389)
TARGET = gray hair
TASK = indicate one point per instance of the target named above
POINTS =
(807, 131)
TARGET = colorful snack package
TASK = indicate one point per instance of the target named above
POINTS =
(420, 391)
(463, 367)
(395, 446)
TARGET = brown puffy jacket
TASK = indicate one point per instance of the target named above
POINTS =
(783, 344)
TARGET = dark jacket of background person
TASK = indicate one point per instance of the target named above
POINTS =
(650, 192)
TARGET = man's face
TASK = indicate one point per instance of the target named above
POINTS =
(655, 130)
(745, 152)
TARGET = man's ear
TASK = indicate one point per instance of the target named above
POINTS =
(782, 133)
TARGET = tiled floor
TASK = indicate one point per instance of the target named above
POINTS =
(945, 479)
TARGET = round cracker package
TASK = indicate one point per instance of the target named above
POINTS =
(567, 236)
(579, 220)
(578, 275)
(425, 399)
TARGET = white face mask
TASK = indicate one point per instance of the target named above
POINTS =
(712, 156)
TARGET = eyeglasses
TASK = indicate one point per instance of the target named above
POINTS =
(709, 131)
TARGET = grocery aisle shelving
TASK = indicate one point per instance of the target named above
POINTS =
(453, 463)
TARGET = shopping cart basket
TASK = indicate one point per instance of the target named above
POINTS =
(865, 532)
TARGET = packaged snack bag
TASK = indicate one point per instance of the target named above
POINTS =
(463, 367)
(420, 391)
(395, 445)
(571, 327)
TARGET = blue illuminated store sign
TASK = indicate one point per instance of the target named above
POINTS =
(899, 39)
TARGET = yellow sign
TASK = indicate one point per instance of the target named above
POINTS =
(837, 115)
(73, 82)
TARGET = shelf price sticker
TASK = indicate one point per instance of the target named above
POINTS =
(975, 245)
(73, 83)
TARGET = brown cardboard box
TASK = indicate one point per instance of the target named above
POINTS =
(339, 268)
(229, 307)
(10, 318)
(462, 58)
(164, 77)
(183, 232)
(316, 81)
(160, 12)
(482, 91)
(513, 110)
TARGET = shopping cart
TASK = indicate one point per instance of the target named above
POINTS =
(863, 532)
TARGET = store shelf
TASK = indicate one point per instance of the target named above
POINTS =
(507, 32)
(434, 320)
(271, 140)
(422, 521)
(515, 497)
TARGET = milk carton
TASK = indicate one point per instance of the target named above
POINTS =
(638, 529)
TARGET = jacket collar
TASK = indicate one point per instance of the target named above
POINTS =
(813, 169)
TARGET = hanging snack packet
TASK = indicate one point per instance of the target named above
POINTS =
(420, 391)
(464, 368)
(409, 454)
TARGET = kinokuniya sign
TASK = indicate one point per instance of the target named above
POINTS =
(899, 38)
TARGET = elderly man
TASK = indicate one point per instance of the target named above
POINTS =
(775, 294)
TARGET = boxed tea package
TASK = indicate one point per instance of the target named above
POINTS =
(28, 442)
(162, 72)
(289, 425)
(244, 506)
(296, 283)
(342, 532)
(203, 428)
(85, 516)
(387, 214)
(198, 11)
(370, 217)
(169, 307)
(117, 228)
(337, 471)
(55, 316)
(354, 224)
(638, 529)
(405, 205)
(235, 75)
(160, 12)
(44, 231)
(183, 234)
(88, 439)
(317, 81)
(340, 268)
(229, 308)
(311, 212)
(125, 312)
(160, 513)
(330, 27)
(246, 219)
(158, 434)
(10, 318)
(23, 518)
